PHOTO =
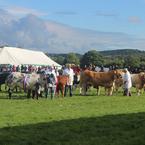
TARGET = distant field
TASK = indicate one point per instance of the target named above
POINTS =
(77, 120)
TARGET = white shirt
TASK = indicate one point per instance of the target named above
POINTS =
(55, 75)
(127, 80)
(70, 73)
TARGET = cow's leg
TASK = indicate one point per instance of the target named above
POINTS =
(138, 91)
(37, 94)
(5, 87)
(0, 88)
(98, 90)
(16, 89)
(33, 94)
(84, 88)
(110, 91)
(10, 93)
(116, 90)
(81, 87)
(20, 89)
(80, 90)
(57, 91)
(29, 93)
(41, 94)
(107, 91)
(63, 90)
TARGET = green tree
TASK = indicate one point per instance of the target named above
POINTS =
(92, 58)
(72, 58)
(114, 60)
(60, 60)
(133, 61)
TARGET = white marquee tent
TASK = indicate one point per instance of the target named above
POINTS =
(19, 56)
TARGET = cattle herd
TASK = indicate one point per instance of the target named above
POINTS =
(37, 85)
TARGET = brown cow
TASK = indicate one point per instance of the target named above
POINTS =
(118, 84)
(138, 81)
(96, 79)
(61, 82)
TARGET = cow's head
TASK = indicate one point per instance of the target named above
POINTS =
(118, 73)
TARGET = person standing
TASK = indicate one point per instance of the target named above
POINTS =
(51, 86)
(127, 83)
(69, 72)
(51, 81)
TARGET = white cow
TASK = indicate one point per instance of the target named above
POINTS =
(28, 82)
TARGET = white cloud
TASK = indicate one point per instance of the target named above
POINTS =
(20, 11)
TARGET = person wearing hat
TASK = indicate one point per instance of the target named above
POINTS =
(127, 83)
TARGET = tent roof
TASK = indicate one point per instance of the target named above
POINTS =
(18, 56)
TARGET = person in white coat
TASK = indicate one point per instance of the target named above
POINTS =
(70, 73)
(127, 83)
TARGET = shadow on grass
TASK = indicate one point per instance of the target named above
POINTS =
(14, 96)
(108, 130)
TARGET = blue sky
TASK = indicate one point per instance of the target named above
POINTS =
(127, 16)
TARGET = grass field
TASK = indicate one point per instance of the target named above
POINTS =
(77, 120)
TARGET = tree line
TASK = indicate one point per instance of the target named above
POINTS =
(120, 58)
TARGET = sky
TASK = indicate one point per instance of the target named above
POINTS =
(127, 16)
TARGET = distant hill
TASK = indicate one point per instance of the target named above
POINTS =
(120, 52)
(123, 52)
(34, 33)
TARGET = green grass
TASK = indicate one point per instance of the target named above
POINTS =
(77, 120)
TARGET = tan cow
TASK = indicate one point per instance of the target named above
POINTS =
(138, 81)
(96, 79)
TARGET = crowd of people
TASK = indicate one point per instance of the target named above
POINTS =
(22, 68)
(76, 68)
(102, 68)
